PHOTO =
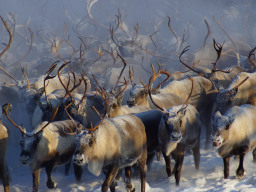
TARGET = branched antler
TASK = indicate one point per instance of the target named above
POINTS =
(10, 37)
(252, 54)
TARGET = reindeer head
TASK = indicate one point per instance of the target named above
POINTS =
(173, 121)
(84, 147)
(86, 139)
(226, 97)
(139, 93)
(115, 100)
(220, 124)
(29, 140)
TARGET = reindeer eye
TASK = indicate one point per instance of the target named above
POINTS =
(91, 142)
(227, 127)
(114, 106)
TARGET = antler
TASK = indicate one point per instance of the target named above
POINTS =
(238, 84)
(68, 92)
(121, 73)
(55, 111)
(23, 71)
(9, 74)
(6, 108)
(154, 76)
(251, 53)
(125, 86)
(150, 96)
(208, 31)
(104, 96)
(185, 104)
(192, 69)
(53, 66)
(10, 35)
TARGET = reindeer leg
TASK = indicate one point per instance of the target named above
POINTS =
(168, 165)
(196, 154)
(36, 180)
(78, 170)
(240, 173)
(143, 168)
(178, 165)
(226, 167)
(110, 176)
(128, 182)
(254, 155)
(67, 166)
(51, 184)
(150, 159)
(158, 153)
(4, 176)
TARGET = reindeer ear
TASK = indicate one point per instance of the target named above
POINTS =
(234, 92)
(120, 99)
(39, 93)
(182, 113)
(156, 90)
(42, 105)
(39, 135)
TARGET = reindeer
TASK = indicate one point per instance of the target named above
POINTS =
(234, 134)
(179, 130)
(240, 91)
(112, 144)
(47, 146)
(30, 93)
(139, 94)
(4, 175)
(115, 107)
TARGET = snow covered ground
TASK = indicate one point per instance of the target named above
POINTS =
(208, 178)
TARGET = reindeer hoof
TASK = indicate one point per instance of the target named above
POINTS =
(51, 184)
(240, 174)
(130, 187)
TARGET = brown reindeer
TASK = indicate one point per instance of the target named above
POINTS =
(47, 146)
(4, 175)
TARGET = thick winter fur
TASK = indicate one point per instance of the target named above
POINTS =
(115, 107)
(4, 175)
(182, 133)
(48, 148)
(139, 96)
(43, 110)
(116, 143)
(204, 103)
(84, 112)
(32, 95)
(152, 122)
(244, 94)
(234, 133)
(224, 79)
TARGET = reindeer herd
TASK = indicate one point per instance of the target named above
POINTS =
(76, 120)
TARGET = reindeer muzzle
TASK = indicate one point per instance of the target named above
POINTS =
(131, 102)
(24, 159)
(79, 159)
(176, 137)
(216, 141)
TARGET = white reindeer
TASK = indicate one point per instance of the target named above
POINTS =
(113, 144)
(234, 133)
